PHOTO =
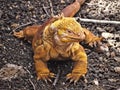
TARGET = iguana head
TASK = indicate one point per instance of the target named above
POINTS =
(67, 29)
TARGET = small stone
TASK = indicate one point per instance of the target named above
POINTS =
(62, 1)
(112, 54)
(14, 25)
(87, 10)
(10, 71)
(1, 45)
(63, 83)
(108, 54)
(112, 80)
(104, 48)
(117, 69)
(107, 35)
(111, 42)
(101, 58)
(31, 7)
(117, 44)
(117, 59)
(100, 29)
(96, 82)
(17, 17)
(118, 50)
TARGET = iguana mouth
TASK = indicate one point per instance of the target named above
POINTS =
(76, 37)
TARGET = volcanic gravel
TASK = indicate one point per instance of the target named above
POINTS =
(103, 68)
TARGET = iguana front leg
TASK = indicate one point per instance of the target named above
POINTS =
(42, 71)
(91, 39)
(40, 59)
(80, 63)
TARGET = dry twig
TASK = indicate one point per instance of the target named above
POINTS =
(23, 25)
(51, 8)
(44, 8)
(32, 84)
(57, 77)
(97, 21)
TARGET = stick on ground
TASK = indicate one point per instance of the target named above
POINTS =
(97, 21)
(23, 25)
(32, 84)
(51, 8)
(44, 8)
(57, 77)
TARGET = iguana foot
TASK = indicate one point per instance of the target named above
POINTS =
(59, 16)
(74, 77)
(19, 34)
(45, 76)
(95, 42)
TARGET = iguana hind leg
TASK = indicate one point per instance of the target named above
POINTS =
(28, 32)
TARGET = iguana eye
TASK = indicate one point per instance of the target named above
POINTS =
(69, 31)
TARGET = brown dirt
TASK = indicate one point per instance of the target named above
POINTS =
(14, 13)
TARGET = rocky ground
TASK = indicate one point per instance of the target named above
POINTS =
(16, 57)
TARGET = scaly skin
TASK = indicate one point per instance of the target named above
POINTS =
(58, 38)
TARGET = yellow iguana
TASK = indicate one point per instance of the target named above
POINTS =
(58, 38)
